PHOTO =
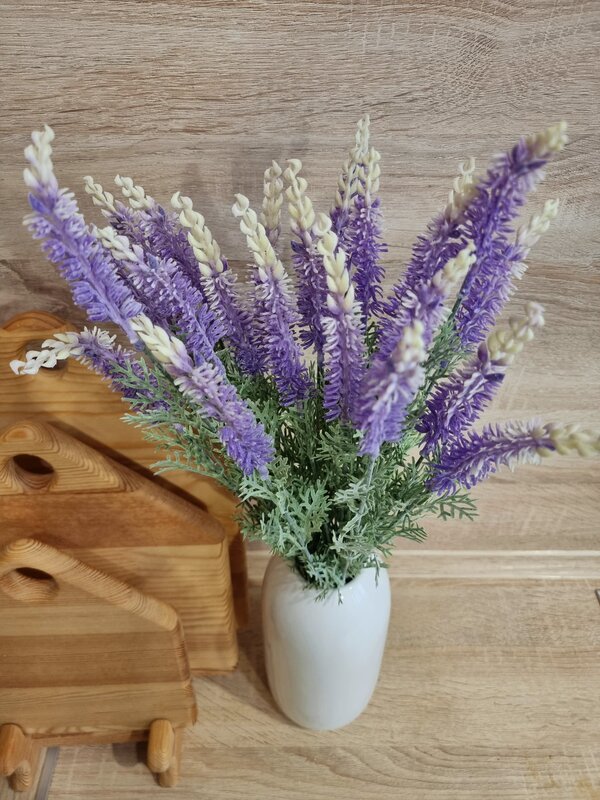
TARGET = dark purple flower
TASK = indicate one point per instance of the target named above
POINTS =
(426, 302)
(170, 299)
(344, 346)
(275, 315)
(458, 402)
(366, 249)
(166, 239)
(488, 220)
(308, 264)
(471, 458)
(432, 251)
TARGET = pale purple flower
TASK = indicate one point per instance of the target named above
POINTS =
(471, 458)
(387, 390)
(97, 350)
(275, 318)
(68, 243)
(243, 437)
(344, 354)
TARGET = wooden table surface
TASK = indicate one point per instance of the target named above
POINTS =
(490, 689)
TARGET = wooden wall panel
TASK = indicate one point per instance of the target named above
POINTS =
(200, 96)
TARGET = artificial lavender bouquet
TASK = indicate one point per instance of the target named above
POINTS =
(339, 415)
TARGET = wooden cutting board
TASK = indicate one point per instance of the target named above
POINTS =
(85, 658)
(65, 493)
(78, 401)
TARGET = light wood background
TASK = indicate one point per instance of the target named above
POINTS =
(200, 97)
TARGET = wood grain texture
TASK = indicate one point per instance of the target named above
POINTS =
(488, 690)
(200, 96)
(77, 400)
(121, 664)
(122, 524)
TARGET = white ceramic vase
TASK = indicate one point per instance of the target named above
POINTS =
(323, 657)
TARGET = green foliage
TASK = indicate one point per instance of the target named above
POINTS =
(326, 509)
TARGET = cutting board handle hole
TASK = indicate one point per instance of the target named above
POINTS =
(29, 585)
(33, 472)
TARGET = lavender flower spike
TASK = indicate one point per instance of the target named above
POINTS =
(270, 215)
(218, 285)
(488, 219)
(389, 387)
(312, 285)
(426, 301)
(442, 241)
(123, 219)
(275, 314)
(347, 181)
(135, 194)
(168, 295)
(470, 459)
(69, 243)
(528, 235)
(457, 403)
(96, 349)
(344, 346)
(244, 438)
(364, 234)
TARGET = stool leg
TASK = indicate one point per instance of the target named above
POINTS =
(164, 751)
(18, 757)
(170, 776)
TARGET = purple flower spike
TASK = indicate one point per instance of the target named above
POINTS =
(387, 390)
(312, 278)
(69, 244)
(275, 315)
(471, 458)
(426, 302)
(366, 247)
(488, 218)
(168, 295)
(166, 239)
(126, 221)
(244, 438)
(442, 241)
(457, 403)
(347, 186)
(344, 346)
(96, 349)
(366, 250)
(218, 285)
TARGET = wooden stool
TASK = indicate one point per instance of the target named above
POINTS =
(86, 659)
